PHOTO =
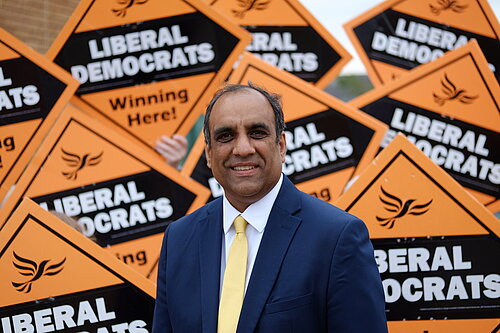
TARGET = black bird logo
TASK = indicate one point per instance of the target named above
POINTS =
(248, 5)
(395, 205)
(126, 5)
(443, 5)
(452, 93)
(78, 162)
(28, 267)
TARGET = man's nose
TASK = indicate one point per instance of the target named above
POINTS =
(243, 146)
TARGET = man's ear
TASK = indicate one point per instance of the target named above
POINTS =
(282, 145)
(207, 156)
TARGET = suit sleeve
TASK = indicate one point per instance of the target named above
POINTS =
(161, 318)
(355, 294)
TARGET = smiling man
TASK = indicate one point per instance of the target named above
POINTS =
(265, 257)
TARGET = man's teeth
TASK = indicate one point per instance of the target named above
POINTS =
(243, 168)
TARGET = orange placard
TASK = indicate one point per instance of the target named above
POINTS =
(288, 36)
(399, 35)
(148, 66)
(33, 92)
(450, 109)
(119, 192)
(435, 245)
(322, 152)
(55, 279)
(438, 326)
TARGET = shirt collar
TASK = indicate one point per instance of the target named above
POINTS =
(256, 214)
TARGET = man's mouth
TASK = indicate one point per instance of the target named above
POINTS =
(243, 168)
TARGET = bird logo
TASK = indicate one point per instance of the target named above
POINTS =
(126, 5)
(248, 5)
(443, 5)
(36, 271)
(400, 209)
(77, 163)
(452, 93)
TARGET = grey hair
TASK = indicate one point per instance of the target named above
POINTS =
(272, 98)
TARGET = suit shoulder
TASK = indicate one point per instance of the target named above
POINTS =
(326, 225)
(187, 221)
(324, 212)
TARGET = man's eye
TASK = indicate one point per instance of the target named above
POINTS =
(224, 137)
(258, 134)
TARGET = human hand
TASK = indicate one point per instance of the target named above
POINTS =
(172, 149)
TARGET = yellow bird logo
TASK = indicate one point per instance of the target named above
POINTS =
(443, 5)
(30, 268)
(451, 92)
(395, 205)
(126, 5)
(248, 5)
(78, 162)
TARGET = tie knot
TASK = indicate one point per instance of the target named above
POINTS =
(240, 224)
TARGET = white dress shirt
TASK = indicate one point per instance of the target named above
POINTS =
(256, 215)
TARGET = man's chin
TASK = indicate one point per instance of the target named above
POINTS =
(246, 194)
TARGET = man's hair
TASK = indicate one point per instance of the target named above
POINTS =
(272, 98)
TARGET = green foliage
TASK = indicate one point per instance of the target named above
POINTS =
(348, 87)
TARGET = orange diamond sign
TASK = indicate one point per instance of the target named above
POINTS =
(55, 279)
(435, 245)
(450, 109)
(149, 66)
(286, 35)
(399, 35)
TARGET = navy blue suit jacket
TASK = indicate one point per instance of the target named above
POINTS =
(314, 272)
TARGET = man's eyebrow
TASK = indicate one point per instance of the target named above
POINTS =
(222, 130)
(259, 125)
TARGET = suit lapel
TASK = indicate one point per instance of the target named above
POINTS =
(210, 241)
(279, 232)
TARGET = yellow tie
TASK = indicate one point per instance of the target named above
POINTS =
(233, 287)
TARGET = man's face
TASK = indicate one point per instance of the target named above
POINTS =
(244, 156)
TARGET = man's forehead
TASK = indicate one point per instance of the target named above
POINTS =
(245, 91)
(229, 105)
